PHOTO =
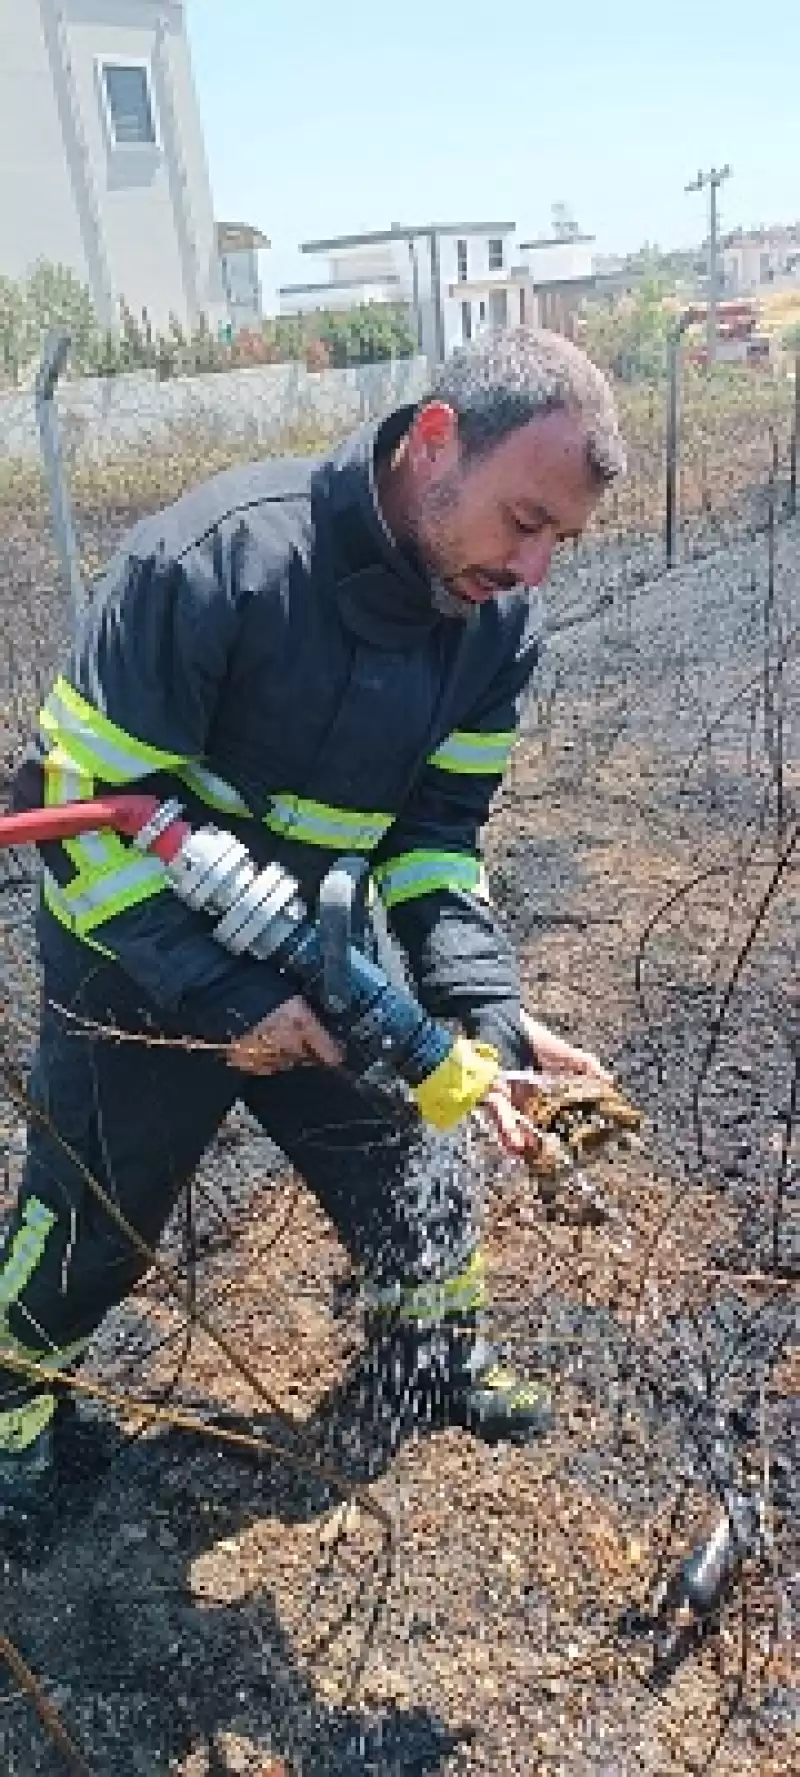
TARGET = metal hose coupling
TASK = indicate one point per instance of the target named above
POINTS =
(261, 913)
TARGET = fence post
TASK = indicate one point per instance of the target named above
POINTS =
(673, 426)
(793, 444)
(671, 492)
(54, 358)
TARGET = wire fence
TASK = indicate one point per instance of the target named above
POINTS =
(217, 1586)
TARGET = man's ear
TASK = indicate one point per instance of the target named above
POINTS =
(434, 435)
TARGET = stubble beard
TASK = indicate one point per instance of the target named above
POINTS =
(446, 601)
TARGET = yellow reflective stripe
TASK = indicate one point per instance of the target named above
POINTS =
(417, 873)
(24, 1252)
(53, 899)
(431, 1302)
(96, 851)
(319, 823)
(65, 782)
(21, 1426)
(212, 789)
(479, 753)
(64, 779)
(520, 1396)
(95, 854)
(97, 744)
(84, 904)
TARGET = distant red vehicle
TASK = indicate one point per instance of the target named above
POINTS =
(736, 326)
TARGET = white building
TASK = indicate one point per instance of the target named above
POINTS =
(760, 259)
(456, 278)
(102, 162)
(238, 247)
(562, 272)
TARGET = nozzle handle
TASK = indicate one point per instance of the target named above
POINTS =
(343, 889)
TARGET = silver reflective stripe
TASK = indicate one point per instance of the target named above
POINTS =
(117, 764)
(54, 894)
(24, 1251)
(72, 785)
(107, 889)
(433, 1301)
(318, 823)
(213, 789)
(478, 753)
(92, 850)
(422, 873)
(65, 778)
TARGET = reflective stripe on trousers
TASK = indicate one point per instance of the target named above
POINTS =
(431, 1303)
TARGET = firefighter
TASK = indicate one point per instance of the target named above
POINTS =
(324, 657)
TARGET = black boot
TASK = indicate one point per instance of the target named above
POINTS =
(432, 1362)
(487, 1397)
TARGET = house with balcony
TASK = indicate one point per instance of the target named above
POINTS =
(371, 269)
(561, 271)
(455, 279)
(102, 160)
(755, 261)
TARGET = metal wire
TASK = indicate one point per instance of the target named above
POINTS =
(765, 1331)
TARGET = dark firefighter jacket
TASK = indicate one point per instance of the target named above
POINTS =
(263, 649)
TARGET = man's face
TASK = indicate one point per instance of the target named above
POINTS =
(492, 524)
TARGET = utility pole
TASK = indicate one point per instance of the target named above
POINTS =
(713, 180)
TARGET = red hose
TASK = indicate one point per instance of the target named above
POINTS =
(124, 814)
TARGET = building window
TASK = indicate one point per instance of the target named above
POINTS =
(466, 322)
(129, 105)
(496, 255)
(461, 249)
(498, 308)
(482, 311)
(522, 308)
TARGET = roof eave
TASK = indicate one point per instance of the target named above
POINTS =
(381, 236)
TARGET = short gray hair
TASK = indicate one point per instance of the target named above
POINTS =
(505, 379)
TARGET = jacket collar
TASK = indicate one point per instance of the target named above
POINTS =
(383, 597)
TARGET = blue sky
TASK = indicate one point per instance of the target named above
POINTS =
(332, 116)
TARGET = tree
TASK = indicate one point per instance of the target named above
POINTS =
(629, 338)
(368, 334)
(58, 300)
(17, 335)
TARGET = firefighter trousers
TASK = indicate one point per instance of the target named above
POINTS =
(138, 1116)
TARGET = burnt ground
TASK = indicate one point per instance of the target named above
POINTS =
(179, 1602)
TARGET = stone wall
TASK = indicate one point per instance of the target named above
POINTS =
(107, 415)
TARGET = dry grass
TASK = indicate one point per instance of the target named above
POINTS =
(734, 424)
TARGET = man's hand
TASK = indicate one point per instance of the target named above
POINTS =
(554, 1056)
(289, 1037)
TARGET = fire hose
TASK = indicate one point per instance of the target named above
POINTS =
(261, 913)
